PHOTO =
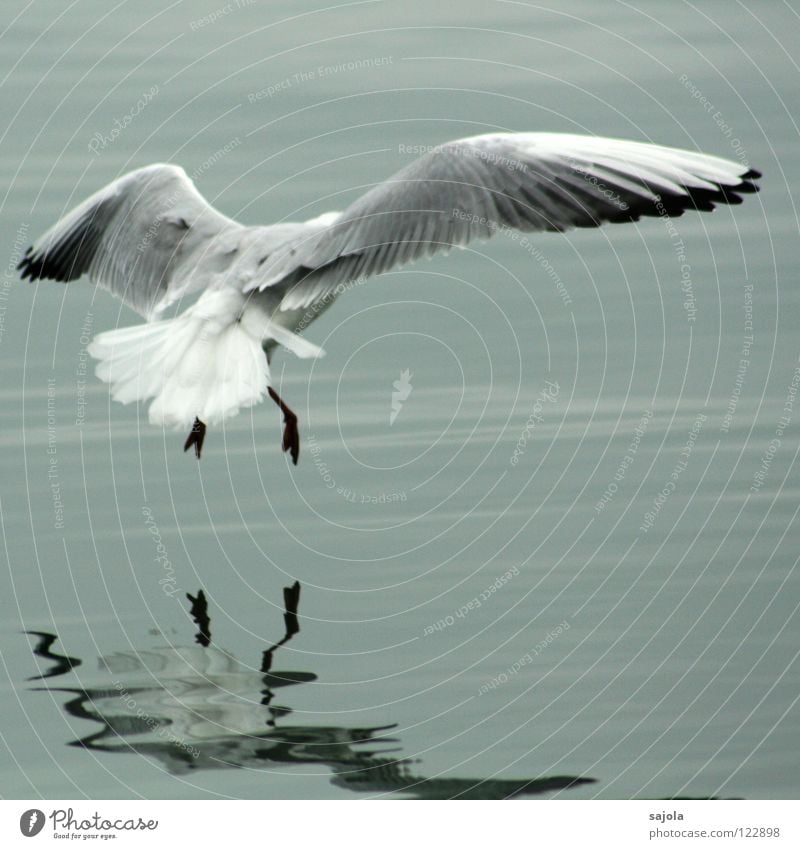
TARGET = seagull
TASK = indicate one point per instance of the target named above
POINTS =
(151, 239)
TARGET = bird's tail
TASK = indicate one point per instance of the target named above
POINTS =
(193, 366)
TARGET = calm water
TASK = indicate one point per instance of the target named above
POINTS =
(495, 598)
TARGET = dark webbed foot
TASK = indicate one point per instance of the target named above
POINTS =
(291, 433)
(196, 437)
(291, 438)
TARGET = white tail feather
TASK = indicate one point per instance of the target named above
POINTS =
(300, 347)
(191, 365)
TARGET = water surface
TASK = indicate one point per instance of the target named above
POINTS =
(494, 599)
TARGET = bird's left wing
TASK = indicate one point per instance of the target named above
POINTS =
(474, 187)
(148, 237)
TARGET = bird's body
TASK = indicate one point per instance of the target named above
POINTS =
(152, 240)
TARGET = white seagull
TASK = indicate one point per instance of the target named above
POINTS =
(151, 239)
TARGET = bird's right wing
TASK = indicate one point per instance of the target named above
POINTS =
(475, 187)
(148, 238)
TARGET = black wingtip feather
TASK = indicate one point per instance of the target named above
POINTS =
(700, 200)
(35, 267)
(695, 199)
(591, 210)
(71, 255)
(23, 264)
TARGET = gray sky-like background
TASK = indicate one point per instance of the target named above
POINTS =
(536, 370)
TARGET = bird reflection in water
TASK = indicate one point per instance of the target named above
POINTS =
(194, 708)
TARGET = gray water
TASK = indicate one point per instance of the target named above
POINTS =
(493, 590)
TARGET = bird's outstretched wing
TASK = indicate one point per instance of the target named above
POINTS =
(474, 187)
(148, 237)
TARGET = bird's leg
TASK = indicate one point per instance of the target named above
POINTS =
(291, 435)
(196, 437)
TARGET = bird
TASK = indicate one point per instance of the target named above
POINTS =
(152, 240)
